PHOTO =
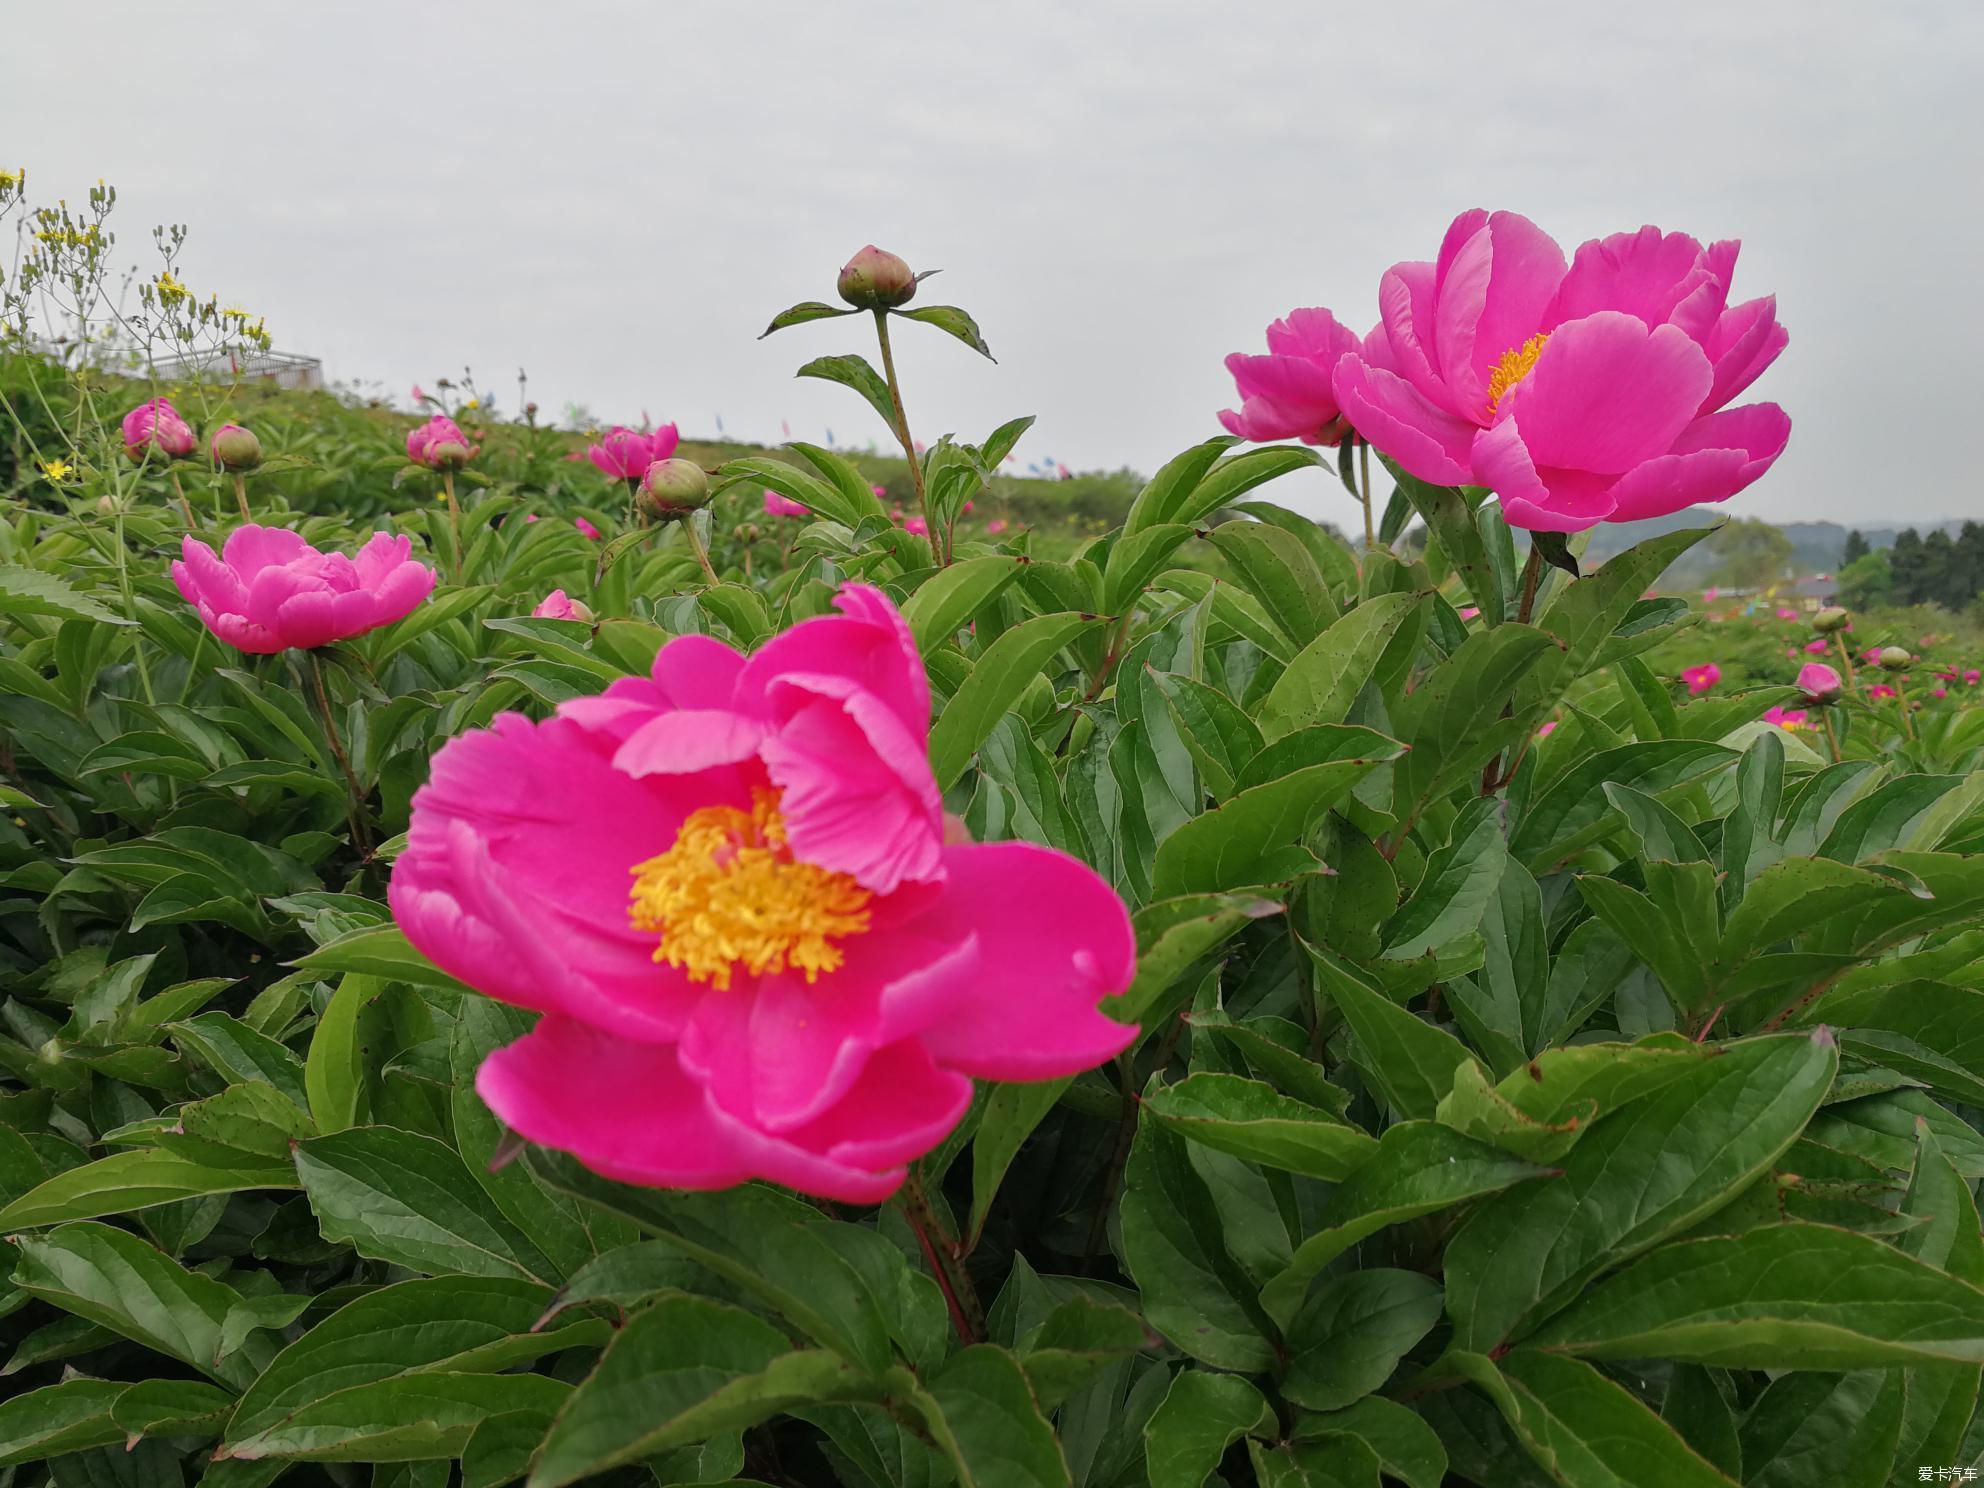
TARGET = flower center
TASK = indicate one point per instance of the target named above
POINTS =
(1516, 364)
(728, 894)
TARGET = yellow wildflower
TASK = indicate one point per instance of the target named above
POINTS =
(57, 471)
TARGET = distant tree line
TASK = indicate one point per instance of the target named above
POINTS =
(1937, 569)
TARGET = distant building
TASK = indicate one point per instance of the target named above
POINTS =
(281, 369)
(1811, 593)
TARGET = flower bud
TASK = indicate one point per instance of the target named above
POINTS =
(446, 454)
(1830, 619)
(107, 505)
(1820, 683)
(673, 488)
(874, 280)
(1894, 658)
(235, 448)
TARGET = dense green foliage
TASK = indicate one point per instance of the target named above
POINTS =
(1593, 1107)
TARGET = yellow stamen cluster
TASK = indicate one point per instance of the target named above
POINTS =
(728, 894)
(1516, 364)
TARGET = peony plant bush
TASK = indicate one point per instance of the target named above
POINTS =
(589, 963)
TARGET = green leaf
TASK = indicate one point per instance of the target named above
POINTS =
(981, 1413)
(1163, 499)
(1280, 797)
(1135, 559)
(1409, 1061)
(237, 1053)
(1841, 1428)
(1450, 520)
(854, 372)
(1454, 892)
(119, 1282)
(1351, 1333)
(68, 1417)
(1193, 1291)
(939, 609)
(407, 1417)
(408, 1199)
(1324, 679)
(380, 951)
(1254, 1121)
(501, 1448)
(1573, 812)
(953, 321)
(806, 310)
(460, 1325)
(139, 1180)
(1584, 615)
(1648, 1173)
(1419, 1168)
(168, 1407)
(996, 681)
(1406, 1447)
(1453, 720)
(249, 1118)
(29, 591)
(1075, 1340)
(1201, 1415)
(1477, 1109)
(1278, 570)
(678, 1372)
(1586, 1431)
(1829, 1298)
(334, 1069)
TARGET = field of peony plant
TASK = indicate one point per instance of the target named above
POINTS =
(662, 971)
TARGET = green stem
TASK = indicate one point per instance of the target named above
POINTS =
(960, 1296)
(902, 436)
(1532, 575)
(361, 832)
(241, 495)
(1364, 480)
(1845, 659)
(185, 506)
(1832, 736)
(696, 547)
(454, 519)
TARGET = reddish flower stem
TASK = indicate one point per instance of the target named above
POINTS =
(941, 1253)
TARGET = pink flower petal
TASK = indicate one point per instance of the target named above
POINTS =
(1715, 457)
(1608, 393)
(1538, 499)
(1398, 420)
(1491, 300)
(1646, 274)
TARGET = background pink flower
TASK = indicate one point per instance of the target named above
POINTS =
(157, 423)
(586, 528)
(1786, 718)
(1880, 690)
(916, 525)
(1818, 647)
(557, 605)
(268, 590)
(1784, 614)
(422, 439)
(1579, 392)
(778, 506)
(625, 454)
(808, 974)
(1970, 678)
(1819, 682)
(1287, 394)
(996, 526)
(1701, 678)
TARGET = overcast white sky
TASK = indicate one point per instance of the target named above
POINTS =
(618, 196)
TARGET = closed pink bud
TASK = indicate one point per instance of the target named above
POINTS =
(1819, 682)
(235, 448)
(157, 424)
(424, 441)
(558, 605)
(874, 280)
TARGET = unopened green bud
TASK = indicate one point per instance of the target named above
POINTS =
(1830, 619)
(1895, 658)
(673, 488)
(875, 280)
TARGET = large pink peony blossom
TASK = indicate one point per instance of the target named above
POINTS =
(1580, 393)
(625, 454)
(268, 590)
(422, 440)
(1287, 393)
(157, 423)
(728, 888)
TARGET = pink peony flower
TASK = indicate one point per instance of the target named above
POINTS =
(1880, 690)
(1939, 692)
(1710, 595)
(1818, 647)
(778, 506)
(557, 605)
(1819, 682)
(268, 590)
(1701, 678)
(625, 454)
(586, 528)
(1579, 393)
(157, 423)
(729, 889)
(422, 440)
(916, 525)
(881, 493)
(1970, 678)
(996, 526)
(1287, 394)
(1547, 729)
(1786, 718)
(1469, 612)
